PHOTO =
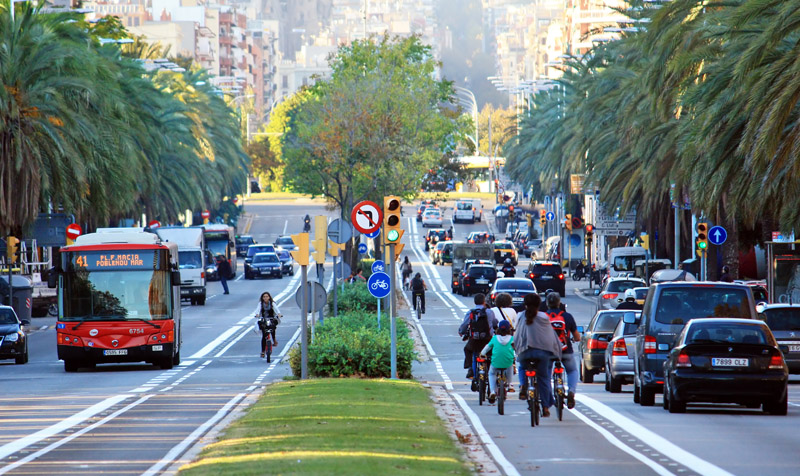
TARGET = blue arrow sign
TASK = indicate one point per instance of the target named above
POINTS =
(373, 234)
(362, 248)
(550, 216)
(378, 266)
(379, 285)
(717, 235)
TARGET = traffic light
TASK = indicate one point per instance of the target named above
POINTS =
(301, 254)
(644, 238)
(391, 220)
(320, 238)
(511, 213)
(568, 221)
(702, 236)
(589, 232)
(543, 218)
(12, 249)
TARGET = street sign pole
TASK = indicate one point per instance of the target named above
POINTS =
(393, 310)
(313, 306)
(379, 313)
(321, 276)
(335, 294)
(304, 324)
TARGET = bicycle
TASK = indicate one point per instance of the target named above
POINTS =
(558, 387)
(534, 399)
(418, 306)
(482, 377)
(502, 391)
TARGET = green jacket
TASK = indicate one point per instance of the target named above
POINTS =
(502, 351)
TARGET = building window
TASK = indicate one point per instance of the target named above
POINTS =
(285, 81)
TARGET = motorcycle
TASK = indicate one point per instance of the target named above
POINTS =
(579, 273)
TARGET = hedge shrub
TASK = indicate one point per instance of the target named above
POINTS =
(352, 345)
(356, 297)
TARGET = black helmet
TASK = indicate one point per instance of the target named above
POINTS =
(553, 300)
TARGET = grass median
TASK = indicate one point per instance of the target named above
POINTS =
(335, 426)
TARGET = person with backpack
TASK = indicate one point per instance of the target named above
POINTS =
(534, 339)
(406, 269)
(418, 288)
(478, 327)
(564, 325)
(501, 347)
(268, 316)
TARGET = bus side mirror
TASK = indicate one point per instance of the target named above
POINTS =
(176, 278)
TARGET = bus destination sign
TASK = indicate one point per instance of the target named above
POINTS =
(111, 260)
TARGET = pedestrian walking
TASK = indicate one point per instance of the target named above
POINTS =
(223, 271)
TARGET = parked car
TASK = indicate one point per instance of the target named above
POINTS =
(503, 250)
(612, 293)
(667, 308)
(432, 217)
(265, 265)
(726, 361)
(436, 252)
(594, 342)
(619, 353)
(516, 287)
(253, 250)
(784, 322)
(434, 236)
(547, 275)
(287, 264)
(478, 279)
(242, 242)
(285, 243)
(13, 339)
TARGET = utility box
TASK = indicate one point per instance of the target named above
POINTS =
(21, 294)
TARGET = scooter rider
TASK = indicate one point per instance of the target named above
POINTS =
(508, 269)
(630, 302)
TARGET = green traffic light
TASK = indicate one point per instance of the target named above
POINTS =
(393, 235)
(702, 245)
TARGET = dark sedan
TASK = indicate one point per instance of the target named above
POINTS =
(286, 262)
(265, 265)
(13, 340)
(784, 322)
(595, 341)
(724, 360)
(547, 275)
(516, 287)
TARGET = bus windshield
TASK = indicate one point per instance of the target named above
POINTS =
(116, 295)
(218, 247)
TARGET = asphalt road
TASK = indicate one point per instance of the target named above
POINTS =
(137, 419)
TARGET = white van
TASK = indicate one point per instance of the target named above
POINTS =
(468, 210)
(622, 260)
(191, 260)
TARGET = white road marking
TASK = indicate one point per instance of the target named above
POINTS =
(285, 226)
(475, 420)
(70, 421)
(214, 343)
(651, 439)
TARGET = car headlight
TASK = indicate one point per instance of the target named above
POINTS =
(14, 337)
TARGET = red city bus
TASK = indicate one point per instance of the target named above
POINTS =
(119, 300)
(220, 241)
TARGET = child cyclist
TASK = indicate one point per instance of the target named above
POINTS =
(502, 356)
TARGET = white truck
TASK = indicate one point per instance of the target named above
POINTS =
(468, 210)
(191, 260)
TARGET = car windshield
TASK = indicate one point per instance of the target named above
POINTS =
(259, 249)
(283, 254)
(431, 213)
(265, 258)
(607, 321)
(641, 293)
(625, 263)
(448, 247)
(502, 246)
(115, 295)
(482, 271)
(246, 240)
(515, 284)
(547, 268)
(190, 259)
(783, 318)
(464, 206)
(440, 246)
(678, 305)
(285, 241)
(759, 293)
(727, 333)
(7, 316)
(622, 286)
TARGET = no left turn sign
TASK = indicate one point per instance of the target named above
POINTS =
(367, 217)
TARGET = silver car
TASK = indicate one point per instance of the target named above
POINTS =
(613, 291)
(619, 353)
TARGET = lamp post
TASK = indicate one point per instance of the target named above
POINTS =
(469, 100)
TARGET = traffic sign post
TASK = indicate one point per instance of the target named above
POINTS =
(717, 235)
(362, 248)
(378, 266)
(73, 232)
(550, 216)
(366, 217)
(379, 285)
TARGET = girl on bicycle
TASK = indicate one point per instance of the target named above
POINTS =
(535, 339)
(268, 316)
(501, 347)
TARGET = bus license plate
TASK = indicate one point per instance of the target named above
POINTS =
(729, 362)
(115, 352)
(157, 348)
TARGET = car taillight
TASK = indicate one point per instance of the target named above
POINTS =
(776, 362)
(202, 275)
(492, 296)
(649, 345)
(560, 276)
(596, 344)
(455, 283)
(610, 295)
(619, 348)
(683, 360)
(532, 275)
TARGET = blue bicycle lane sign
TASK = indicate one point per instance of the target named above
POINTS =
(379, 285)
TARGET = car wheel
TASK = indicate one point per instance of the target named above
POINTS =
(586, 375)
(647, 397)
(614, 384)
(607, 384)
(777, 408)
(201, 301)
(636, 393)
(665, 400)
(673, 404)
(21, 359)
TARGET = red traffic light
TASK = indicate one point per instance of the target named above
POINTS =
(511, 208)
(542, 213)
(589, 228)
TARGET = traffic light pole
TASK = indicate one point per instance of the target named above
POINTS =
(304, 324)
(393, 311)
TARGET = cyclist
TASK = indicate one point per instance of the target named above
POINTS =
(501, 347)
(508, 269)
(565, 327)
(268, 316)
(477, 327)
(418, 288)
(535, 339)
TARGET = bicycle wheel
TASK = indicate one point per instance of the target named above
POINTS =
(537, 405)
(481, 387)
(501, 396)
(560, 405)
(419, 307)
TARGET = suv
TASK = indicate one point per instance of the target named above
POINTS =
(458, 279)
(478, 279)
(547, 275)
(613, 292)
(242, 242)
(784, 322)
(667, 308)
